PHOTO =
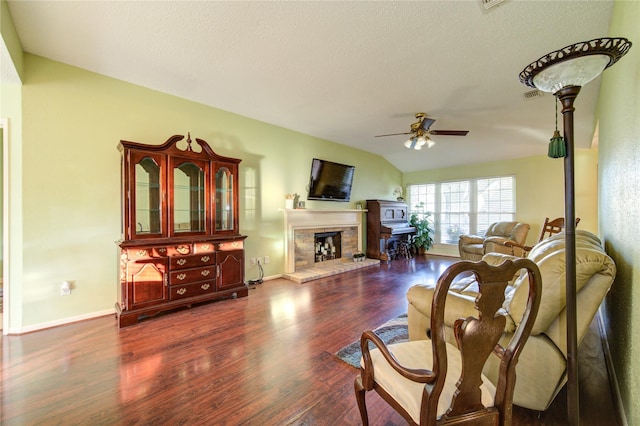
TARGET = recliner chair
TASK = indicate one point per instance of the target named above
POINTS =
(473, 247)
(542, 368)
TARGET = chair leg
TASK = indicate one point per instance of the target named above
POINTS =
(362, 406)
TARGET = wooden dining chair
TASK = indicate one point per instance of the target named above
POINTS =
(549, 228)
(554, 226)
(433, 382)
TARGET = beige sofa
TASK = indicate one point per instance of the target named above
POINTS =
(473, 247)
(541, 372)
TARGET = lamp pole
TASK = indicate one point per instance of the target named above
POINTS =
(563, 72)
(567, 96)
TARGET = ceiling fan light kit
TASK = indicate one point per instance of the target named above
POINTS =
(563, 72)
(420, 132)
(417, 142)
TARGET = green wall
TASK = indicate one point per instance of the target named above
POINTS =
(539, 188)
(71, 180)
(10, 37)
(11, 116)
(71, 197)
(619, 177)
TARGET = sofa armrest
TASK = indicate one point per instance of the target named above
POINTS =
(471, 239)
(498, 245)
(495, 259)
(420, 297)
(497, 240)
(514, 245)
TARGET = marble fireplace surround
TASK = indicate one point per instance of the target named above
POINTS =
(309, 220)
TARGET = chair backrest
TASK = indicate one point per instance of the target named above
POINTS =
(554, 226)
(478, 338)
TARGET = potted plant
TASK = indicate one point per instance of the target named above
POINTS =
(359, 256)
(422, 240)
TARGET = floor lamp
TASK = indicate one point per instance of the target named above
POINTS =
(563, 73)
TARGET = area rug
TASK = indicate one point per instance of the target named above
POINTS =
(392, 331)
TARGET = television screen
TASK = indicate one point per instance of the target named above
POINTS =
(330, 181)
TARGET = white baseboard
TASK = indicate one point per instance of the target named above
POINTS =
(63, 321)
(272, 277)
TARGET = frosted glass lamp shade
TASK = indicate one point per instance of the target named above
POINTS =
(575, 72)
(574, 65)
(429, 142)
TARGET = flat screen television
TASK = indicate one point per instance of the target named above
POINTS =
(330, 181)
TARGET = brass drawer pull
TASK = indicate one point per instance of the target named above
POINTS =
(205, 258)
(181, 291)
(205, 286)
(181, 276)
(205, 273)
(181, 261)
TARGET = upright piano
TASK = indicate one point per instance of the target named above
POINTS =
(388, 229)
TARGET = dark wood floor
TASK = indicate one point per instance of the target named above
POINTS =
(267, 359)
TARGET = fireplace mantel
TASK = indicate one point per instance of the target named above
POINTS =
(296, 219)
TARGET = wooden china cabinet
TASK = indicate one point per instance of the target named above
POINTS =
(180, 243)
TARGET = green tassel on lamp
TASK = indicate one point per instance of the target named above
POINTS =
(557, 147)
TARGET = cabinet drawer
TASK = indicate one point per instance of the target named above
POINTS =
(179, 250)
(231, 245)
(146, 252)
(159, 251)
(203, 247)
(185, 262)
(186, 276)
(191, 290)
(138, 253)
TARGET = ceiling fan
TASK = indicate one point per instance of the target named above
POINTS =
(420, 132)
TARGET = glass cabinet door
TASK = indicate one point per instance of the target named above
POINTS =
(189, 212)
(148, 201)
(225, 202)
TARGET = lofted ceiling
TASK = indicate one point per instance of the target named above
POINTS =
(341, 71)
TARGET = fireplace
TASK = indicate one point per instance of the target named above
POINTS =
(306, 245)
(302, 225)
(327, 246)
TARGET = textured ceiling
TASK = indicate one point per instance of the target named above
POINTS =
(342, 71)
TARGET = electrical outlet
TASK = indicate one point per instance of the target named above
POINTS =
(252, 262)
(65, 288)
(266, 260)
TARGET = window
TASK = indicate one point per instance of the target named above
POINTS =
(465, 206)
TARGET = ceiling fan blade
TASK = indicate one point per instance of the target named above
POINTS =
(393, 134)
(427, 122)
(449, 132)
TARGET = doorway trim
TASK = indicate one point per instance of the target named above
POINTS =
(4, 128)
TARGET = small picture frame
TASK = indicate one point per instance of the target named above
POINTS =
(359, 206)
(300, 205)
